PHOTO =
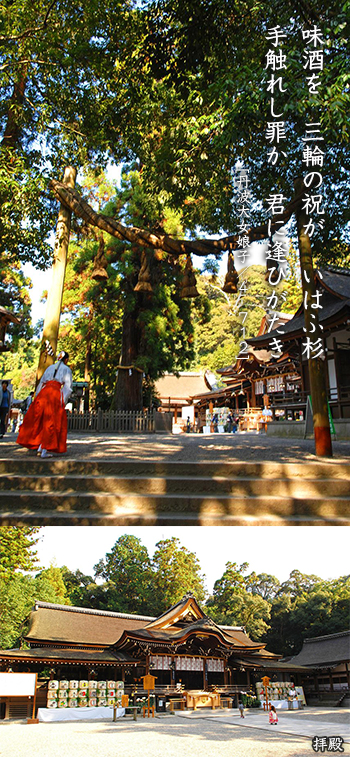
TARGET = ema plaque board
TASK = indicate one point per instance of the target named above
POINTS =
(17, 684)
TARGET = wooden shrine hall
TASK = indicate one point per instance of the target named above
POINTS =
(183, 648)
(333, 287)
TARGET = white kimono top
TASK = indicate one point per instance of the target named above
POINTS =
(63, 375)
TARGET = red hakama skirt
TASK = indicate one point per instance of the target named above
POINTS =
(45, 421)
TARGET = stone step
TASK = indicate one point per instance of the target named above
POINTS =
(87, 508)
(266, 469)
(116, 492)
(118, 484)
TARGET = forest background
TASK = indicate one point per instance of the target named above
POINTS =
(178, 94)
(127, 580)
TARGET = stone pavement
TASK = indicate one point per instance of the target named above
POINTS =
(307, 723)
(197, 735)
(185, 447)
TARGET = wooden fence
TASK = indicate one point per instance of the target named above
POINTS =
(118, 422)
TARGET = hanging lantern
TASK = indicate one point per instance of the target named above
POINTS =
(231, 278)
(144, 278)
(99, 272)
(188, 283)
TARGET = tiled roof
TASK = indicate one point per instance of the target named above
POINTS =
(324, 650)
(337, 280)
(335, 304)
(51, 654)
(79, 625)
(267, 664)
(181, 387)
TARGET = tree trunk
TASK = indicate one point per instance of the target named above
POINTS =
(88, 344)
(54, 300)
(128, 391)
(12, 132)
(317, 366)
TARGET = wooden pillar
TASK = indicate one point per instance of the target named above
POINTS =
(301, 370)
(336, 369)
(317, 365)
(172, 675)
(204, 679)
(226, 674)
(331, 679)
(253, 396)
(54, 300)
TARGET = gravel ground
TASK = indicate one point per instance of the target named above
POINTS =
(165, 736)
(185, 447)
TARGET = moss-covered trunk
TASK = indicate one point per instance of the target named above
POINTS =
(54, 300)
(128, 391)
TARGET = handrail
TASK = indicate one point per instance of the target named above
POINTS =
(345, 694)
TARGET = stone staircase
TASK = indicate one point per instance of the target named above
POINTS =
(329, 699)
(109, 492)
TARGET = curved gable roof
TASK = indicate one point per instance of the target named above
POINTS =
(65, 624)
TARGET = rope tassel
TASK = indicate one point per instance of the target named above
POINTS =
(144, 278)
(231, 278)
(189, 284)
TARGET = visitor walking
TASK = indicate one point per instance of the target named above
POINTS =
(5, 407)
(241, 709)
(229, 424)
(14, 418)
(44, 426)
(27, 402)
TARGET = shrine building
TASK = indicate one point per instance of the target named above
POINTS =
(183, 648)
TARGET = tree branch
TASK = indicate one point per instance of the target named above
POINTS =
(74, 202)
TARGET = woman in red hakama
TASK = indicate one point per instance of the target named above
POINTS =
(44, 425)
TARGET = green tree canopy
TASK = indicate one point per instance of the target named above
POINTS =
(218, 339)
(19, 590)
(21, 366)
(109, 322)
(233, 602)
(127, 569)
(18, 548)
(176, 571)
(306, 606)
(136, 583)
(14, 296)
(83, 590)
(209, 62)
(60, 101)
(18, 594)
(54, 576)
